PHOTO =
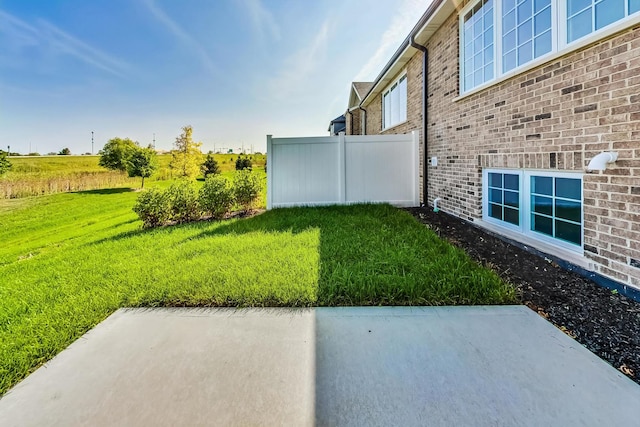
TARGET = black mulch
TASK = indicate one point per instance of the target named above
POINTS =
(603, 321)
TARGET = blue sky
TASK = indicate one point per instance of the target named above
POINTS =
(235, 70)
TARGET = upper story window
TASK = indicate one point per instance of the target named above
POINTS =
(498, 36)
(587, 16)
(526, 28)
(394, 103)
(478, 44)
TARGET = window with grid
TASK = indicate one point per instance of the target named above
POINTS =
(500, 36)
(478, 44)
(587, 16)
(504, 197)
(544, 205)
(526, 29)
(556, 207)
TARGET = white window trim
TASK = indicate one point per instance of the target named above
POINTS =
(386, 90)
(525, 206)
(559, 46)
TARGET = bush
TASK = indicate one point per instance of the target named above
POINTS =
(216, 196)
(243, 163)
(246, 188)
(183, 200)
(153, 208)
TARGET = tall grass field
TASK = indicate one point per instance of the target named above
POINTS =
(41, 175)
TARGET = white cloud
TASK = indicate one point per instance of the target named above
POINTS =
(181, 34)
(296, 71)
(263, 21)
(407, 16)
(54, 42)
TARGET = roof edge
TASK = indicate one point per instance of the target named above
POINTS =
(434, 7)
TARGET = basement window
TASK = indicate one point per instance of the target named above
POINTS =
(544, 205)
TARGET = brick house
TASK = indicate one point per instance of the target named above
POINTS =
(521, 96)
(355, 115)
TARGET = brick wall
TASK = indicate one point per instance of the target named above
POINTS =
(354, 123)
(554, 117)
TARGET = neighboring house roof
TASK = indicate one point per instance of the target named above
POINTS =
(358, 91)
(339, 124)
(435, 15)
(362, 88)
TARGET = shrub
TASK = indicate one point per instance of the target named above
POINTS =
(243, 163)
(153, 208)
(183, 199)
(216, 196)
(246, 188)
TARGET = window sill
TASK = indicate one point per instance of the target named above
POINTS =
(576, 258)
(574, 46)
(394, 126)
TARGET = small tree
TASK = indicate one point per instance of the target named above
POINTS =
(116, 153)
(243, 163)
(246, 188)
(5, 164)
(64, 152)
(143, 162)
(216, 196)
(186, 157)
(210, 166)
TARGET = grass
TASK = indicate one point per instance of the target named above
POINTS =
(69, 260)
(40, 175)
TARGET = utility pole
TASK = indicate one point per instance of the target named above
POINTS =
(154, 141)
(92, 143)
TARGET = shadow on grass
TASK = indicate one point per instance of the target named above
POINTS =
(378, 255)
(107, 191)
(368, 255)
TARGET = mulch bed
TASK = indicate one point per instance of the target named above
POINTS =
(606, 323)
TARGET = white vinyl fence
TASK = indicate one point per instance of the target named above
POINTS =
(341, 169)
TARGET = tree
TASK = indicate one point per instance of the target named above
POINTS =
(243, 163)
(186, 158)
(210, 166)
(64, 152)
(143, 162)
(5, 164)
(116, 152)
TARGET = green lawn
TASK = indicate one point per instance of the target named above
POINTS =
(67, 261)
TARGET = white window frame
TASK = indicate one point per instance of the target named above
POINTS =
(386, 91)
(462, 43)
(559, 44)
(525, 205)
(485, 198)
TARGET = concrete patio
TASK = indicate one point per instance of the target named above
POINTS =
(325, 366)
